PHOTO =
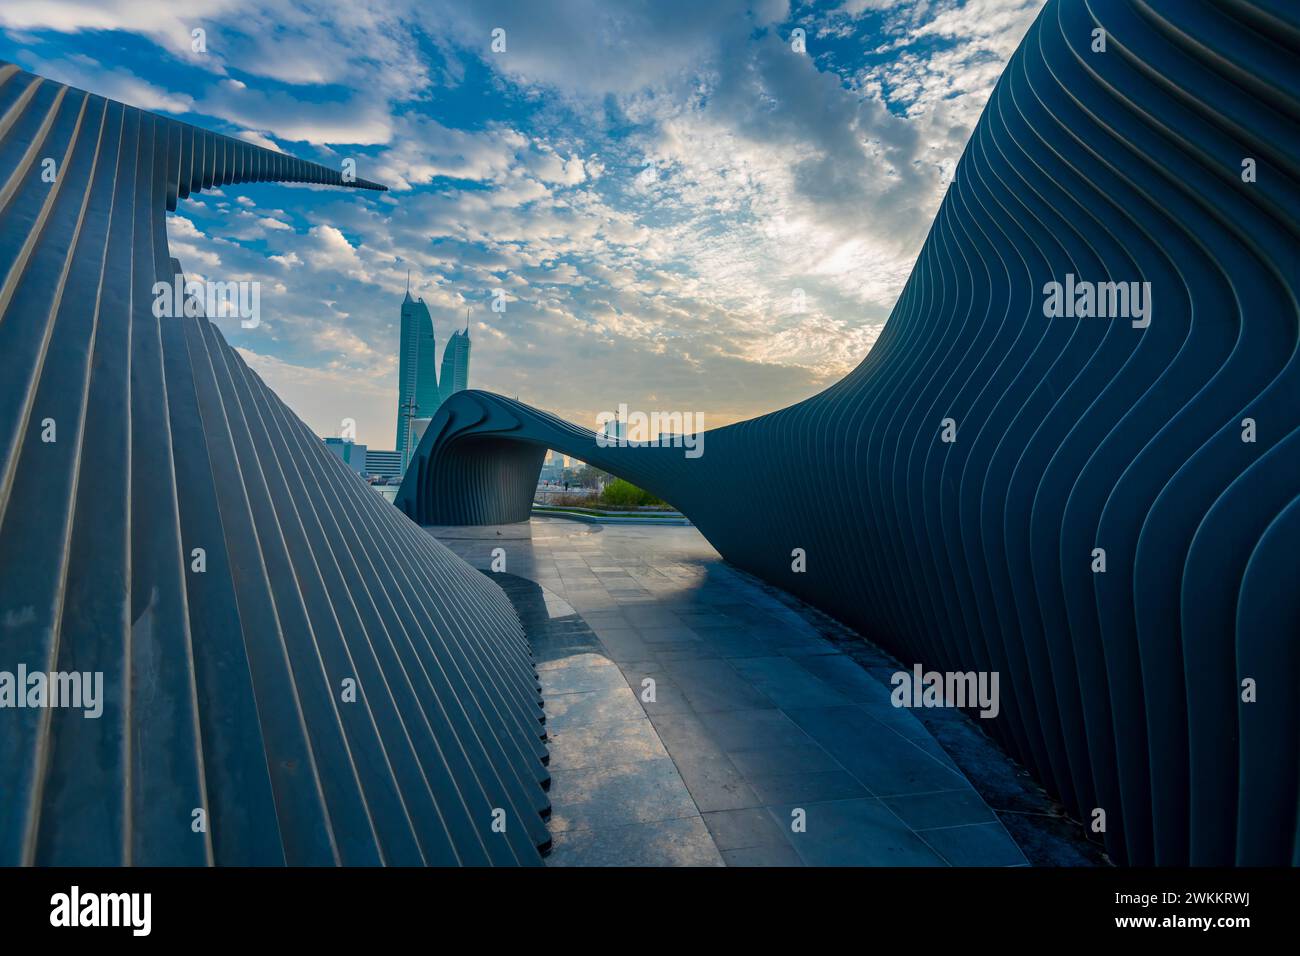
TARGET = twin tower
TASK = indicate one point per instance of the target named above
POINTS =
(418, 391)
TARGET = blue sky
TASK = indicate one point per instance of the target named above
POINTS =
(649, 182)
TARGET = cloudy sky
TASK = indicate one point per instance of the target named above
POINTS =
(650, 181)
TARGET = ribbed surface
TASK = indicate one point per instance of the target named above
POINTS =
(1120, 690)
(224, 690)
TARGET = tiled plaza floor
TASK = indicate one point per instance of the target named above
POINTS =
(695, 719)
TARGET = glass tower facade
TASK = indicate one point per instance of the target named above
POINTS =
(417, 379)
(455, 364)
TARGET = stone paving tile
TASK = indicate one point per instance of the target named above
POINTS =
(844, 674)
(551, 649)
(754, 856)
(610, 796)
(714, 685)
(591, 708)
(658, 636)
(579, 672)
(755, 713)
(592, 746)
(731, 642)
(647, 616)
(694, 651)
(741, 729)
(744, 828)
(682, 842)
(762, 760)
(899, 719)
(943, 809)
(978, 844)
(599, 620)
(932, 747)
(855, 833)
(668, 698)
(700, 618)
(885, 762)
(787, 684)
(715, 784)
(624, 644)
(806, 787)
(685, 735)
(801, 649)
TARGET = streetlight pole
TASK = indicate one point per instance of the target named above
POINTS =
(408, 407)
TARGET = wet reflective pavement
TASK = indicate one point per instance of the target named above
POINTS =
(697, 719)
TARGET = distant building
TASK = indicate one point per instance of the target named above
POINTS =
(352, 453)
(553, 469)
(418, 391)
(455, 363)
(383, 464)
(417, 376)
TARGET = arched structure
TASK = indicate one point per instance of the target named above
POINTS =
(292, 672)
(1126, 142)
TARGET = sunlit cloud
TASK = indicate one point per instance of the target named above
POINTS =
(678, 205)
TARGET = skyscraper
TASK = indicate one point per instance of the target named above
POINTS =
(455, 363)
(417, 379)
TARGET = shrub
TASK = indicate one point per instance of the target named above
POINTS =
(624, 494)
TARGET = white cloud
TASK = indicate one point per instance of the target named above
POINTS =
(87, 73)
(324, 397)
(679, 172)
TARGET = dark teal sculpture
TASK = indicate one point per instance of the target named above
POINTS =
(291, 671)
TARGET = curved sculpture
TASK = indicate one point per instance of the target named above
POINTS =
(1112, 528)
(292, 671)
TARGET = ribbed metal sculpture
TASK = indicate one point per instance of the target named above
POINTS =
(292, 671)
(960, 493)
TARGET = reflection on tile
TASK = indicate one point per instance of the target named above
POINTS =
(755, 713)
